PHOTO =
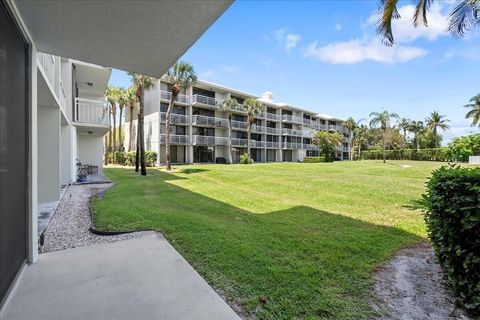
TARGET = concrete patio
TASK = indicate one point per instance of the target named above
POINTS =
(142, 278)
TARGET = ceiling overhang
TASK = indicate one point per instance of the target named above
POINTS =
(139, 36)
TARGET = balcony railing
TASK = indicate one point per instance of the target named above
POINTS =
(272, 145)
(273, 116)
(62, 95)
(258, 129)
(175, 139)
(209, 121)
(290, 118)
(307, 146)
(197, 98)
(92, 112)
(292, 132)
(47, 62)
(181, 98)
(244, 143)
(292, 145)
(209, 140)
(273, 130)
(175, 118)
(239, 124)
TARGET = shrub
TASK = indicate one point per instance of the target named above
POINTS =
(453, 223)
(463, 147)
(119, 157)
(434, 154)
(130, 158)
(244, 159)
(314, 159)
(150, 158)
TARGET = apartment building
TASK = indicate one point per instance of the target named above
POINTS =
(199, 133)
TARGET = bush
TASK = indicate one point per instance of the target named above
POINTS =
(119, 157)
(434, 154)
(128, 158)
(453, 224)
(463, 147)
(244, 159)
(150, 158)
(314, 159)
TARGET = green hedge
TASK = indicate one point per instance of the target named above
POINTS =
(128, 158)
(435, 154)
(314, 159)
(453, 223)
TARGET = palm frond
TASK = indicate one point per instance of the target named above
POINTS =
(421, 10)
(464, 17)
(388, 13)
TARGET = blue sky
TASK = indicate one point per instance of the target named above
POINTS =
(325, 56)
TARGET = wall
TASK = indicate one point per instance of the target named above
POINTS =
(90, 150)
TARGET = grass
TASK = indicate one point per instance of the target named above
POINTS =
(306, 237)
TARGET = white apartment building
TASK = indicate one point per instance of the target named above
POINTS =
(282, 133)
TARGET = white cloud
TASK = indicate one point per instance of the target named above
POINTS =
(338, 26)
(287, 40)
(230, 69)
(404, 31)
(356, 51)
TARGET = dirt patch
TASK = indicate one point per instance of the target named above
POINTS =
(409, 286)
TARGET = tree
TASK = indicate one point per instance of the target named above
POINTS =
(110, 95)
(122, 102)
(228, 106)
(360, 133)
(474, 111)
(382, 120)
(416, 127)
(437, 121)
(327, 142)
(181, 74)
(463, 17)
(253, 107)
(131, 102)
(404, 125)
(351, 125)
(141, 84)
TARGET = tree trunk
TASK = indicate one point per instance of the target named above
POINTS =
(359, 151)
(383, 146)
(105, 155)
(143, 166)
(114, 115)
(230, 138)
(130, 131)
(137, 150)
(167, 130)
(418, 142)
(109, 142)
(249, 129)
(120, 141)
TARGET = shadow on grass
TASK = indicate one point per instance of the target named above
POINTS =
(192, 170)
(305, 262)
(417, 204)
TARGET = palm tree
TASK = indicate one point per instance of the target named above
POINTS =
(326, 142)
(131, 101)
(463, 17)
(110, 95)
(416, 127)
(253, 107)
(181, 74)
(436, 121)
(360, 132)
(382, 119)
(351, 125)
(141, 83)
(474, 111)
(122, 102)
(404, 125)
(227, 106)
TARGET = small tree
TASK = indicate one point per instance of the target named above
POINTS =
(227, 106)
(434, 122)
(474, 112)
(382, 120)
(327, 142)
(360, 134)
(352, 125)
(253, 107)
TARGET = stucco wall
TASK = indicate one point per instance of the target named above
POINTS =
(90, 150)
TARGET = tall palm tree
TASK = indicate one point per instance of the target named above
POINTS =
(131, 102)
(404, 125)
(416, 127)
(110, 95)
(351, 125)
(474, 111)
(463, 17)
(382, 120)
(253, 107)
(228, 106)
(360, 133)
(141, 84)
(181, 74)
(436, 121)
(122, 102)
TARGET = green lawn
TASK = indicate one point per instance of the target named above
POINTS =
(305, 236)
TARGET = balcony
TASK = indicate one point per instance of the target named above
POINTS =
(309, 146)
(290, 118)
(198, 120)
(244, 143)
(258, 129)
(62, 96)
(292, 145)
(199, 99)
(272, 145)
(175, 139)
(181, 98)
(273, 116)
(209, 140)
(333, 127)
(273, 130)
(239, 124)
(92, 112)
(47, 62)
(292, 132)
(175, 118)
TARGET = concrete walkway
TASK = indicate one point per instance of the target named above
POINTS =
(142, 278)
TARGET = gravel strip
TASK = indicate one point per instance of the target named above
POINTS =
(69, 226)
(409, 286)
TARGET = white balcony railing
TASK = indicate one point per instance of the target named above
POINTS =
(62, 95)
(175, 118)
(272, 116)
(290, 118)
(239, 124)
(92, 112)
(307, 146)
(292, 132)
(292, 145)
(272, 145)
(181, 98)
(209, 121)
(258, 129)
(197, 98)
(209, 140)
(273, 130)
(175, 139)
(47, 62)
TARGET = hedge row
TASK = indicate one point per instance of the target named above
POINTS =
(453, 223)
(128, 158)
(435, 154)
(314, 159)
